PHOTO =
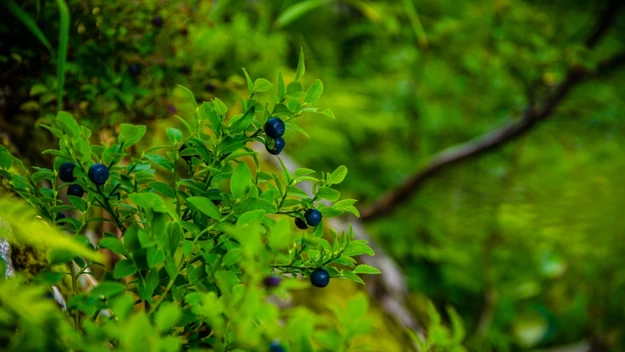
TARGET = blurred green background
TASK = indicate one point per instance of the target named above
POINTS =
(525, 242)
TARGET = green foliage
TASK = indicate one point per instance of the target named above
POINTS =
(194, 266)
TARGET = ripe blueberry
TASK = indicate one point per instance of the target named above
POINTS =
(98, 174)
(66, 172)
(211, 87)
(301, 224)
(134, 69)
(272, 281)
(185, 70)
(313, 217)
(275, 347)
(278, 145)
(59, 216)
(320, 278)
(157, 21)
(75, 190)
(274, 127)
(215, 191)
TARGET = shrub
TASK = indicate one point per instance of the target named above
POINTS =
(200, 227)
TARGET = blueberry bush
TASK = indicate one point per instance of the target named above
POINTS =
(200, 236)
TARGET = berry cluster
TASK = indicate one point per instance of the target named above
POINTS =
(98, 174)
(274, 129)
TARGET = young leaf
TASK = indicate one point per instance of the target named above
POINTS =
(338, 175)
(366, 269)
(130, 134)
(174, 135)
(250, 85)
(301, 66)
(190, 95)
(328, 112)
(328, 193)
(241, 181)
(314, 92)
(112, 243)
(262, 85)
(220, 108)
(205, 206)
(68, 123)
(124, 268)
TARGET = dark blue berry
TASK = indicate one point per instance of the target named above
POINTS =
(313, 217)
(75, 190)
(134, 69)
(211, 88)
(216, 193)
(66, 172)
(274, 127)
(272, 281)
(320, 278)
(278, 145)
(301, 224)
(185, 70)
(157, 21)
(60, 216)
(275, 347)
(98, 174)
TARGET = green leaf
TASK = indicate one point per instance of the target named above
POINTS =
(214, 119)
(253, 216)
(357, 247)
(108, 289)
(163, 188)
(112, 243)
(241, 181)
(220, 108)
(232, 257)
(244, 122)
(68, 123)
(28, 22)
(254, 203)
(366, 269)
(338, 175)
(205, 206)
(62, 53)
(328, 112)
(150, 201)
(250, 85)
(314, 92)
(167, 316)
(190, 95)
(303, 172)
(78, 203)
(350, 275)
(281, 87)
(155, 257)
(295, 90)
(130, 134)
(160, 160)
(328, 193)
(294, 127)
(124, 268)
(262, 85)
(174, 135)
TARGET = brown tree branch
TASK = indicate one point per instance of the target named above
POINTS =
(499, 137)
